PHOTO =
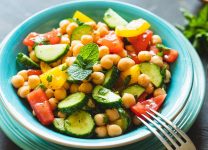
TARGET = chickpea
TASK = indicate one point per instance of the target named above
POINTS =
(128, 100)
(49, 93)
(100, 119)
(101, 24)
(63, 24)
(65, 39)
(17, 81)
(112, 114)
(149, 89)
(66, 85)
(75, 42)
(86, 87)
(33, 81)
(116, 58)
(85, 39)
(61, 115)
(125, 63)
(74, 88)
(60, 94)
(101, 131)
(114, 130)
(159, 91)
(23, 73)
(157, 60)
(123, 53)
(103, 50)
(136, 121)
(98, 77)
(96, 36)
(129, 48)
(53, 103)
(70, 28)
(97, 68)
(70, 60)
(103, 31)
(144, 56)
(23, 91)
(33, 56)
(156, 39)
(92, 24)
(167, 76)
(54, 64)
(106, 62)
(25, 83)
(143, 80)
(69, 53)
(76, 49)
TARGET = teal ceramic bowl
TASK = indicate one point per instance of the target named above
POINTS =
(178, 92)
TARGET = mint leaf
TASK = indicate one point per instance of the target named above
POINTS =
(162, 47)
(89, 53)
(78, 73)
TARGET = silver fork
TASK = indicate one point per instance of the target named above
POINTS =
(169, 134)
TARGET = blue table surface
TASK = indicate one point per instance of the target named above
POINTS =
(14, 12)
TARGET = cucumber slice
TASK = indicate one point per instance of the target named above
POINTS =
(73, 102)
(112, 19)
(135, 90)
(79, 124)
(51, 53)
(80, 31)
(125, 120)
(106, 98)
(26, 61)
(59, 124)
(111, 77)
(153, 71)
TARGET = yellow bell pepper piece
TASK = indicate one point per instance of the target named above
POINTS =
(133, 72)
(134, 28)
(82, 17)
(44, 67)
(55, 78)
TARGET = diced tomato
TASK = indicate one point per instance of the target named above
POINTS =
(34, 72)
(154, 50)
(142, 41)
(153, 103)
(44, 113)
(53, 36)
(170, 55)
(112, 41)
(134, 56)
(28, 41)
(36, 96)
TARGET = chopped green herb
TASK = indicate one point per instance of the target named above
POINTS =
(196, 30)
(64, 67)
(49, 78)
(127, 80)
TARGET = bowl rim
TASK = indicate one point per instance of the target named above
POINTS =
(18, 117)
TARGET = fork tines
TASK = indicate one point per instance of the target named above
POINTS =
(167, 132)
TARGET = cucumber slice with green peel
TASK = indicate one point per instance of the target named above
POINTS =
(80, 31)
(73, 102)
(112, 19)
(111, 77)
(79, 124)
(135, 90)
(125, 120)
(58, 123)
(153, 71)
(26, 61)
(105, 97)
(51, 53)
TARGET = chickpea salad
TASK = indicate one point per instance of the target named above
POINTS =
(91, 79)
